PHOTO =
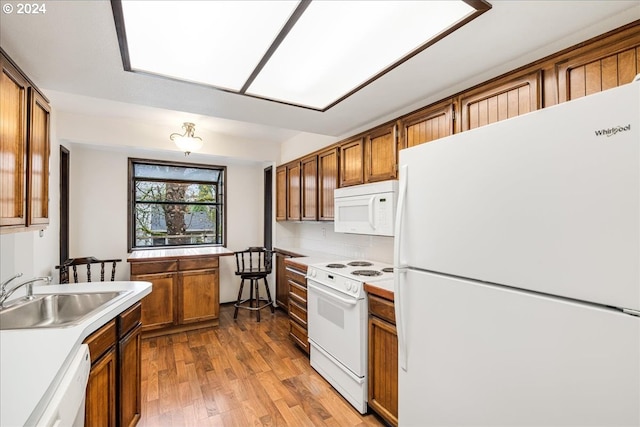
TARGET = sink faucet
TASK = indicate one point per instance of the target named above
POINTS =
(4, 293)
(9, 280)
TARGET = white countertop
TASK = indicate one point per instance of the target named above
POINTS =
(145, 254)
(33, 361)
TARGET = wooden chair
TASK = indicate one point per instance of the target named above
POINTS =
(88, 261)
(253, 264)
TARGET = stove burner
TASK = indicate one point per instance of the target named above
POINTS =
(336, 266)
(387, 270)
(369, 273)
(360, 264)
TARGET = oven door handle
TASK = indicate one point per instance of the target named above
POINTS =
(347, 301)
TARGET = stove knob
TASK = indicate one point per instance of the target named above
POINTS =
(355, 289)
(313, 273)
(348, 286)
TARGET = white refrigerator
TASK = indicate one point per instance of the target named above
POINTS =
(517, 270)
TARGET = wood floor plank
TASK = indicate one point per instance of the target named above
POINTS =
(239, 373)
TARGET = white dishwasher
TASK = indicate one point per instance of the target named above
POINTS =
(66, 407)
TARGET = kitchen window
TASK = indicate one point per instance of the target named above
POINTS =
(175, 204)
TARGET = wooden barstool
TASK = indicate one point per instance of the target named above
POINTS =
(253, 264)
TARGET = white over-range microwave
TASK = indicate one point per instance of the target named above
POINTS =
(366, 209)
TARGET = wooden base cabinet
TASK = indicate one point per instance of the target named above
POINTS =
(383, 359)
(100, 406)
(113, 396)
(297, 304)
(129, 367)
(185, 293)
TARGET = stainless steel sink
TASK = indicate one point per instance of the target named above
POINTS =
(53, 310)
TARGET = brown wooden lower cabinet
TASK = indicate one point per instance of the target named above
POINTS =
(296, 278)
(100, 406)
(185, 293)
(129, 367)
(282, 286)
(383, 359)
(113, 390)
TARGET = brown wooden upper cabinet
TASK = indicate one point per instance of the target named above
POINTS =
(38, 160)
(293, 191)
(426, 125)
(493, 103)
(328, 165)
(599, 69)
(281, 193)
(309, 188)
(381, 154)
(24, 150)
(351, 157)
(13, 145)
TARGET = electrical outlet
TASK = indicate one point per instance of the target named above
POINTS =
(324, 232)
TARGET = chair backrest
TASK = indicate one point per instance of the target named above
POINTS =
(255, 260)
(88, 261)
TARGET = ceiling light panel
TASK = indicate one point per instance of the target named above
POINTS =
(337, 46)
(218, 43)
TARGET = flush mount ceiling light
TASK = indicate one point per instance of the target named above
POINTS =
(187, 141)
(312, 54)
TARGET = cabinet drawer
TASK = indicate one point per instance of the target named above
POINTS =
(129, 319)
(198, 263)
(296, 276)
(382, 308)
(101, 340)
(299, 335)
(298, 313)
(298, 293)
(154, 267)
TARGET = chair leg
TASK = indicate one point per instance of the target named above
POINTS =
(235, 312)
(266, 287)
(257, 300)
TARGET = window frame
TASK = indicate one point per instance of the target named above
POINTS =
(131, 200)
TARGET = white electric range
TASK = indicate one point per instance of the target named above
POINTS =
(337, 323)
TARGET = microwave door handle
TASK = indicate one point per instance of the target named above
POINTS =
(372, 200)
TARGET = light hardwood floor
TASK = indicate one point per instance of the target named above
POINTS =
(241, 373)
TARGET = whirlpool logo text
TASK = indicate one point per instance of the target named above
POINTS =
(612, 131)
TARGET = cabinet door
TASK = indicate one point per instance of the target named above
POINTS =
(500, 101)
(13, 138)
(199, 296)
(100, 407)
(381, 154)
(293, 191)
(309, 174)
(38, 159)
(426, 125)
(129, 360)
(383, 369)
(598, 70)
(351, 157)
(158, 309)
(281, 193)
(327, 183)
(282, 285)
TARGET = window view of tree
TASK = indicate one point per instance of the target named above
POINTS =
(176, 204)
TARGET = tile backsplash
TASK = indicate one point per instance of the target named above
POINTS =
(319, 236)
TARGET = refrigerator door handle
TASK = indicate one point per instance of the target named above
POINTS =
(402, 193)
(400, 269)
(399, 275)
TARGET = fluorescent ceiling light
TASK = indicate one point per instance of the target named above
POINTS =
(306, 53)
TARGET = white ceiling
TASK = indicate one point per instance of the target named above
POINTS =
(72, 53)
